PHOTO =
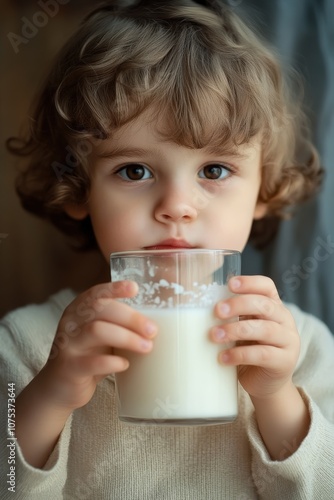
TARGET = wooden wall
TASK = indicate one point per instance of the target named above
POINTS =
(35, 259)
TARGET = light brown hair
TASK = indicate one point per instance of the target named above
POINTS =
(216, 82)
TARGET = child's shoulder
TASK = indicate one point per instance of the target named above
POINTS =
(316, 340)
(40, 315)
(27, 333)
(306, 322)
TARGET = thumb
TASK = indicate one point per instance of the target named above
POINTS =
(116, 289)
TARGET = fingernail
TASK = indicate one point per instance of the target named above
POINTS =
(235, 283)
(224, 308)
(150, 329)
(122, 286)
(130, 286)
(146, 345)
(219, 334)
(224, 357)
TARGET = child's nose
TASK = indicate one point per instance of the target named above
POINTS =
(176, 205)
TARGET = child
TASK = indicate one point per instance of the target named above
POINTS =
(166, 123)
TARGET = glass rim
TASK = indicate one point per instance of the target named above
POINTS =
(175, 251)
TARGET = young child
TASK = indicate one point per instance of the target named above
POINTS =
(165, 124)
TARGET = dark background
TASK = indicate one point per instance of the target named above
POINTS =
(35, 258)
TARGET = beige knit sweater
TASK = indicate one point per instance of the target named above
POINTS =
(98, 457)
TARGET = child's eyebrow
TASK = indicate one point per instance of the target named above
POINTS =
(228, 152)
(128, 152)
(122, 152)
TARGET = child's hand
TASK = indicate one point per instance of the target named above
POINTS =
(267, 339)
(82, 352)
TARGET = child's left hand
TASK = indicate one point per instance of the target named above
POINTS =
(267, 339)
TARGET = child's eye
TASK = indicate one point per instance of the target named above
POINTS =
(134, 172)
(214, 171)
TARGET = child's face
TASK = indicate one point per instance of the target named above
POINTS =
(147, 192)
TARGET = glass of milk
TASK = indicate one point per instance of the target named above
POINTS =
(180, 382)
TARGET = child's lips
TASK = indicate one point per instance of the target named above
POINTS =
(169, 244)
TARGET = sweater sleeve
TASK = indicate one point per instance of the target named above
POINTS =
(30, 483)
(26, 336)
(308, 471)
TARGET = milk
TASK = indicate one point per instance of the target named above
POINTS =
(180, 381)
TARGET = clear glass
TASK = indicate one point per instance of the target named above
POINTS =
(180, 382)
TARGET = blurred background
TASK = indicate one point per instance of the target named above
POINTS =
(36, 260)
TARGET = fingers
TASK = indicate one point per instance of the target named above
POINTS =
(266, 336)
(254, 330)
(252, 305)
(99, 366)
(257, 343)
(256, 355)
(99, 304)
(113, 290)
(94, 298)
(275, 362)
(95, 323)
(91, 327)
(256, 296)
(100, 333)
(261, 285)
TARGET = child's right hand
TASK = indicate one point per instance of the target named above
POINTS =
(90, 328)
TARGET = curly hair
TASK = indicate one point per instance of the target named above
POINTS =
(213, 78)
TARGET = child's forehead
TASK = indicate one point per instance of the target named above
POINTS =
(151, 130)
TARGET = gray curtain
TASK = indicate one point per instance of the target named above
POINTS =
(301, 259)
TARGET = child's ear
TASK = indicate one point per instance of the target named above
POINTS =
(77, 212)
(260, 210)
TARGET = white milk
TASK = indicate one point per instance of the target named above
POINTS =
(180, 379)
